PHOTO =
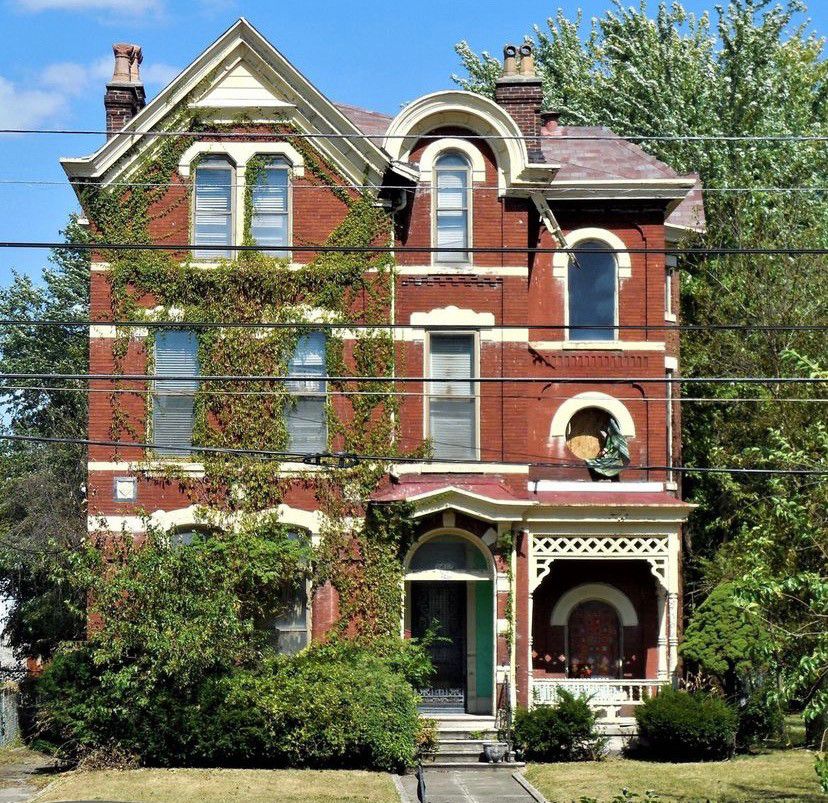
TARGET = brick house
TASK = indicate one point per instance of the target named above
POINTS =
(549, 525)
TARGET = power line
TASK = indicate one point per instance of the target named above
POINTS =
(408, 249)
(672, 379)
(269, 135)
(330, 326)
(409, 187)
(345, 459)
(413, 394)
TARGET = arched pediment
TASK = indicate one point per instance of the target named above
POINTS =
(478, 114)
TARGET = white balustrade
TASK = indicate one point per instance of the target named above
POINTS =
(607, 694)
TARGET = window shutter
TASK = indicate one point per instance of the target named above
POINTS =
(176, 354)
(452, 361)
(452, 428)
(213, 208)
(305, 410)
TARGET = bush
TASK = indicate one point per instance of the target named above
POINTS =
(563, 732)
(307, 711)
(760, 720)
(330, 706)
(684, 726)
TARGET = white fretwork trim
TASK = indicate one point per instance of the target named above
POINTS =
(546, 549)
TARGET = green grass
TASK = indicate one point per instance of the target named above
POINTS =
(219, 786)
(778, 775)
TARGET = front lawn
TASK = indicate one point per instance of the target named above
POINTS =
(219, 786)
(778, 775)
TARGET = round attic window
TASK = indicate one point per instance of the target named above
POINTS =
(586, 432)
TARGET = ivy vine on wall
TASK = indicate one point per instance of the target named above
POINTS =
(361, 556)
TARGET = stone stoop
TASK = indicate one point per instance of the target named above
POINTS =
(460, 740)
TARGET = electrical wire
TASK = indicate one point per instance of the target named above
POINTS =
(326, 326)
(613, 137)
(427, 187)
(346, 459)
(578, 380)
(410, 394)
(409, 249)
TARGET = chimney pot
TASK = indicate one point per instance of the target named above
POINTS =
(549, 120)
(125, 95)
(510, 60)
(527, 60)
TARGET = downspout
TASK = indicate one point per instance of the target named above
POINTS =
(395, 207)
(646, 324)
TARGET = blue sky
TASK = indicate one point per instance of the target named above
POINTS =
(56, 57)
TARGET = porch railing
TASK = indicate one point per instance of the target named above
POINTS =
(610, 695)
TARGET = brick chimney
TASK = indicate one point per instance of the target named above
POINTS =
(124, 96)
(519, 90)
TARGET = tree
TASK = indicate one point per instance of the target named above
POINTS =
(42, 515)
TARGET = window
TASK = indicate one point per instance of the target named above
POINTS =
(669, 314)
(269, 225)
(290, 626)
(451, 215)
(176, 355)
(452, 403)
(213, 224)
(305, 412)
(592, 283)
(587, 431)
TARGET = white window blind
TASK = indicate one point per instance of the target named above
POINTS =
(452, 403)
(176, 354)
(269, 223)
(213, 207)
(305, 409)
(452, 210)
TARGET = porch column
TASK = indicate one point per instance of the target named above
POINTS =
(523, 623)
(673, 640)
(663, 659)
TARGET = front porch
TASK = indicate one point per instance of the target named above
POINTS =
(617, 699)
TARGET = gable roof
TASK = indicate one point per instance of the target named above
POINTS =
(243, 71)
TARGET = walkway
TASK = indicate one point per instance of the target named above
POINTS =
(16, 774)
(468, 786)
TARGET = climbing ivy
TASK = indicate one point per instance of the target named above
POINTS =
(360, 555)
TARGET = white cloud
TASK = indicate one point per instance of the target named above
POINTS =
(27, 108)
(75, 79)
(156, 73)
(117, 6)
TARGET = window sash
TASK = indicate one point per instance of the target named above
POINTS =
(176, 355)
(269, 225)
(592, 292)
(213, 209)
(451, 215)
(452, 398)
(305, 410)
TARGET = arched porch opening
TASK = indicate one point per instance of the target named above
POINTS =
(449, 593)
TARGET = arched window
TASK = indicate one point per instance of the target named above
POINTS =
(592, 290)
(448, 553)
(452, 207)
(213, 212)
(587, 431)
(270, 222)
(594, 641)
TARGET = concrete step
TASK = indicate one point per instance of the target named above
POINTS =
(477, 766)
(467, 735)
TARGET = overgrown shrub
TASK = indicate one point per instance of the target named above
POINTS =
(338, 705)
(760, 719)
(565, 731)
(684, 726)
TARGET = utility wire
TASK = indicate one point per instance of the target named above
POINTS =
(427, 187)
(551, 380)
(411, 394)
(408, 249)
(345, 459)
(269, 135)
(325, 326)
